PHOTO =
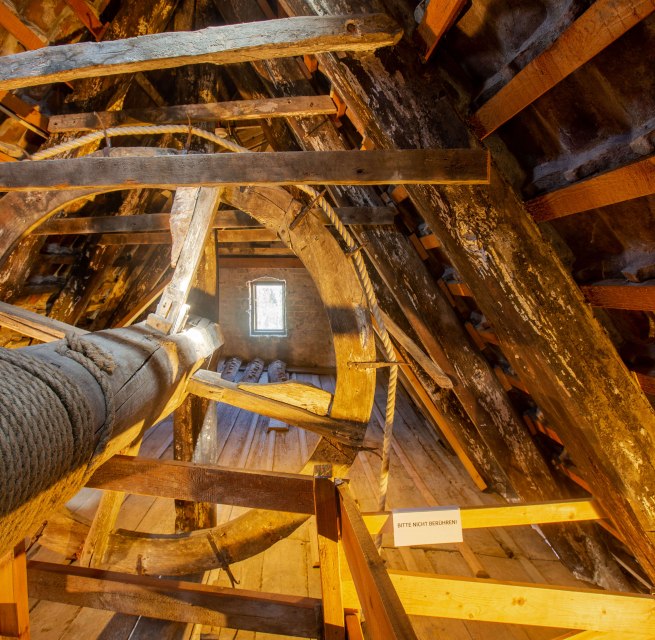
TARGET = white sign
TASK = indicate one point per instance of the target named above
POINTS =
(432, 525)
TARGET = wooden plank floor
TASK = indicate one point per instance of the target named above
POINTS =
(423, 473)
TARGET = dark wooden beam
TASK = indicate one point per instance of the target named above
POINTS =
(413, 166)
(603, 23)
(205, 483)
(543, 324)
(302, 106)
(626, 183)
(216, 45)
(253, 262)
(385, 615)
(154, 597)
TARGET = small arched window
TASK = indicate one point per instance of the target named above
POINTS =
(268, 316)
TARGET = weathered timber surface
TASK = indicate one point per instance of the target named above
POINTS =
(105, 224)
(416, 166)
(208, 112)
(619, 294)
(34, 325)
(603, 23)
(494, 432)
(542, 321)
(218, 45)
(205, 483)
(174, 600)
(148, 383)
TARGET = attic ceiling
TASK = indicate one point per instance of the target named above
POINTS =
(447, 279)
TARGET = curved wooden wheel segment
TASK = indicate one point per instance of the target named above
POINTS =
(340, 289)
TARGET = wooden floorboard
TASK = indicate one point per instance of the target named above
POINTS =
(516, 553)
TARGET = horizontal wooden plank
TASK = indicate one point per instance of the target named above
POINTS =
(627, 183)
(415, 166)
(174, 600)
(205, 483)
(217, 45)
(512, 515)
(209, 384)
(247, 235)
(225, 219)
(302, 106)
(34, 325)
(620, 294)
(604, 22)
(269, 262)
(153, 237)
(518, 603)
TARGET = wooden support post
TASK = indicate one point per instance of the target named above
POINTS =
(327, 530)
(14, 607)
(412, 166)
(384, 614)
(626, 183)
(218, 45)
(603, 23)
(302, 106)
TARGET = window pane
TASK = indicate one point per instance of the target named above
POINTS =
(269, 305)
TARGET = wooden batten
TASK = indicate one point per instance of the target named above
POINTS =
(415, 166)
(218, 45)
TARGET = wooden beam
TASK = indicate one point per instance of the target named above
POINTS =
(121, 239)
(25, 113)
(438, 17)
(247, 235)
(24, 32)
(513, 515)
(518, 603)
(620, 294)
(626, 183)
(603, 23)
(327, 531)
(199, 206)
(233, 262)
(301, 106)
(414, 166)
(386, 619)
(217, 45)
(88, 16)
(14, 606)
(209, 384)
(224, 219)
(35, 325)
(205, 483)
(154, 597)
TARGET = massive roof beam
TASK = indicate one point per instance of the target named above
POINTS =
(415, 166)
(217, 45)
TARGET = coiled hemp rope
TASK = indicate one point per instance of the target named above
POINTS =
(346, 236)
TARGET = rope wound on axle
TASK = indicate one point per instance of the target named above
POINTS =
(47, 428)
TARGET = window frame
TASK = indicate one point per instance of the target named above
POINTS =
(252, 310)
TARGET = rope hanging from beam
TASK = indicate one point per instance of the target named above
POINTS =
(46, 424)
(351, 246)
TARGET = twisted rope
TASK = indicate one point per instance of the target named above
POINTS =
(100, 365)
(346, 236)
(46, 427)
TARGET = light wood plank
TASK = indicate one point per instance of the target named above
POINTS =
(301, 106)
(174, 600)
(513, 515)
(14, 607)
(415, 166)
(520, 603)
(217, 45)
(603, 23)
(205, 483)
(626, 183)
(439, 16)
(35, 325)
